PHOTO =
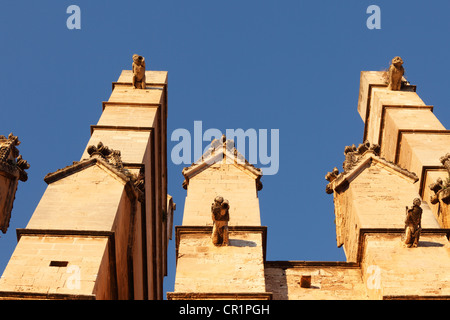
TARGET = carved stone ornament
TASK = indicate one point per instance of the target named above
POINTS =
(138, 72)
(441, 188)
(107, 157)
(112, 156)
(330, 176)
(413, 224)
(222, 150)
(140, 180)
(12, 169)
(10, 160)
(220, 216)
(395, 74)
(353, 156)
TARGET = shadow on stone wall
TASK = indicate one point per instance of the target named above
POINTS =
(241, 243)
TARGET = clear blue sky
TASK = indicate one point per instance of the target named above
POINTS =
(287, 65)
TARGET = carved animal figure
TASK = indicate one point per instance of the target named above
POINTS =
(395, 74)
(220, 217)
(138, 72)
(413, 224)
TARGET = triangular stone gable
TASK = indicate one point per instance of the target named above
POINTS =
(110, 161)
(359, 159)
(90, 195)
(222, 151)
(78, 166)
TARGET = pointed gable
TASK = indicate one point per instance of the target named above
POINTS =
(222, 151)
(91, 191)
(222, 171)
(359, 159)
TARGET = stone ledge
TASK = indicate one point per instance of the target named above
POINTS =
(64, 233)
(303, 264)
(397, 231)
(14, 295)
(219, 296)
(401, 132)
(383, 115)
(130, 104)
(119, 128)
(368, 81)
(179, 230)
(416, 297)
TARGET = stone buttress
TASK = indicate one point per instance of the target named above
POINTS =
(207, 271)
(100, 230)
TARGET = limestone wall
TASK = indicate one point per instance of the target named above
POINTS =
(329, 281)
(399, 272)
(237, 268)
(230, 182)
(31, 271)
(97, 198)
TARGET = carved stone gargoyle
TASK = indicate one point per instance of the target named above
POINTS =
(440, 188)
(12, 169)
(395, 74)
(10, 159)
(413, 224)
(220, 216)
(138, 72)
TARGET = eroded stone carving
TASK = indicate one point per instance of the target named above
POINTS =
(220, 216)
(330, 176)
(437, 187)
(111, 155)
(226, 151)
(413, 224)
(112, 160)
(138, 72)
(441, 188)
(12, 169)
(353, 156)
(10, 159)
(140, 180)
(395, 74)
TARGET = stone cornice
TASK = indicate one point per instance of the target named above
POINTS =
(219, 295)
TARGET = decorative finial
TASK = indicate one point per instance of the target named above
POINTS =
(106, 153)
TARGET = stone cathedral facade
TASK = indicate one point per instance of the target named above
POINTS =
(102, 226)
(400, 169)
